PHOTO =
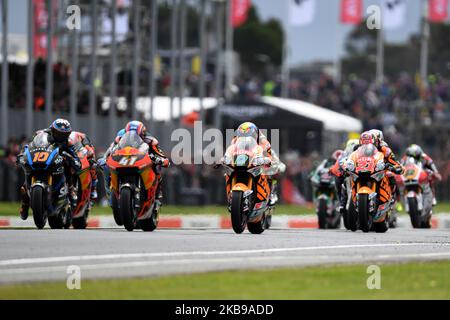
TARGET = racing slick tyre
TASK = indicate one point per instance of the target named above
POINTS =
(127, 208)
(238, 220)
(414, 213)
(381, 227)
(257, 227)
(151, 223)
(322, 214)
(352, 217)
(81, 222)
(37, 206)
(363, 213)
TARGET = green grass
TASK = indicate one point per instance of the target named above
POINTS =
(398, 281)
(12, 209)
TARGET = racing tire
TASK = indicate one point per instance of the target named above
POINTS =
(322, 214)
(414, 213)
(352, 217)
(151, 223)
(37, 206)
(257, 227)
(81, 222)
(127, 208)
(363, 213)
(381, 227)
(56, 221)
(238, 220)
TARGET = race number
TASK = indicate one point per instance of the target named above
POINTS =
(40, 157)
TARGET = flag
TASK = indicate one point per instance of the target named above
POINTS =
(351, 11)
(239, 12)
(40, 28)
(393, 13)
(438, 10)
(302, 12)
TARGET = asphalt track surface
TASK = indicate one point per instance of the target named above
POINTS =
(42, 255)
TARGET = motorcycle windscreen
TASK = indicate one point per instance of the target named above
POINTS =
(133, 140)
(40, 141)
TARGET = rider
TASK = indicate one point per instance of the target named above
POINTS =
(383, 147)
(249, 129)
(58, 134)
(338, 170)
(155, 152)
(79, 137)
(417, 153)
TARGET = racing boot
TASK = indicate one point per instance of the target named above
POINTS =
(273, 198)
(73, 198)
(94, 194)
(25, 203)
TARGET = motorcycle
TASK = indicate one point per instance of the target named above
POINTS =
(371, 194)
(247, 186)
(48, 190)
(417, 193)
(134, 183)
(325, 199)
(83, 183)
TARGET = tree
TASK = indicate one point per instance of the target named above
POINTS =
(258, 43)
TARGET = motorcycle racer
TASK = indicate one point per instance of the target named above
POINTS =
(156, 153)
(249, 129)
(58, 134)
(416, 152)
(338, 171)
(79, 137)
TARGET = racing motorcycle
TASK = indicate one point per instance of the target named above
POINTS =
(134, 183)
(48, 189)
(371, 194)
(248, 190)
(325, 199)
(83, 183)
(417, 193)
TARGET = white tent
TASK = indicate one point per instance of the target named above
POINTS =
(332, 121)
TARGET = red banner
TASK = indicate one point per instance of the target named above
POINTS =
(40, 28)
(239, 12)
(438, 10)
(351, 11)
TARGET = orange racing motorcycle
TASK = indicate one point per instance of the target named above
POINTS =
(134, 183)
(371, 193)
(247, 186)
(83, 183)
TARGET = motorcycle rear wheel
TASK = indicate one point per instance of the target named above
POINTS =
(352, 217)
(151, 223)
(238, 220)
(115, 208)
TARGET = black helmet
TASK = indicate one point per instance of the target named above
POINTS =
(61, 130)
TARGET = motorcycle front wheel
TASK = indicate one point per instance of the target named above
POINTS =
(238, 220)
(127, 208)
(363, 213)
(37, 206)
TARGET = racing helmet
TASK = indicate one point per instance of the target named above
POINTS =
(414, 151)
(367, 138)
(351, 144)
(379, 136)
(248, 129)
(137, 127)
(61, 130)
(337, 154)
